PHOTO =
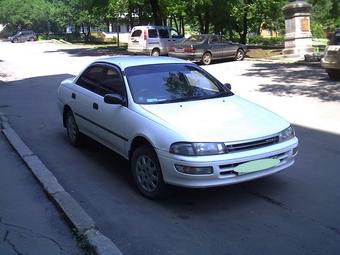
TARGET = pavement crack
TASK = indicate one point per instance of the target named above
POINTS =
(14, 236)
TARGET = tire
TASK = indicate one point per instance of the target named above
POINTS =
(206, 59)
(31, 39)
(155, 53)
(75, 137)
(15, 40)
(239, 55)
(334, 74)
(147, 173)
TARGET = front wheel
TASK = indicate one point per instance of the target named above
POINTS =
(147, 173)
(239, 55)
(75, 137)
(206, 59)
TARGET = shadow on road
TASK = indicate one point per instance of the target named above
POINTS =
(296, 79)
(91, 52)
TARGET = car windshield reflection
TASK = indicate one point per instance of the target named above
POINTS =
(153, 84)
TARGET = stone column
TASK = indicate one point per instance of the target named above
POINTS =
(298, 37)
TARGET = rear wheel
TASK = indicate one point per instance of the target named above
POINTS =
(31, 39)
(75, 137)
(239, 55)
(147, 173)
(155, 53)
(206, 59)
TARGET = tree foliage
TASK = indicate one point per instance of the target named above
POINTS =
(234, 18)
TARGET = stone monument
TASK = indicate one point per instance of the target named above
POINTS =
(298, 37)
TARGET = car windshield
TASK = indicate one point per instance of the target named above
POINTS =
(167, 83)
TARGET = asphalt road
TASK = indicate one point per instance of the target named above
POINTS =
(293, 212)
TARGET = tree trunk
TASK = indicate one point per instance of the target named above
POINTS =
(156, 12)
(243, 34)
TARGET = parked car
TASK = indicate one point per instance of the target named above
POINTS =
(206, 47)
(175, 123)
(331, 59)
(152, 40)
(23, 36)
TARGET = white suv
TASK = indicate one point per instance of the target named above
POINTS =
(331, 59)
(152, 40)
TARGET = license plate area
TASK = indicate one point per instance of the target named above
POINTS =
(179, 50)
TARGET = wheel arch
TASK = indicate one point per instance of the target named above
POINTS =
(66, 109)
(136, 142)
(155, 49)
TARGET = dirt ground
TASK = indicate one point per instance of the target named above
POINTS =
(263, 53)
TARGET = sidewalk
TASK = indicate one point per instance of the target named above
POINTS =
(29, 222)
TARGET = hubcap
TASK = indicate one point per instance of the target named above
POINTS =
(206, 59)
(146, 172)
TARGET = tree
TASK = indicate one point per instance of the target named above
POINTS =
(156, 12)
(325, 14)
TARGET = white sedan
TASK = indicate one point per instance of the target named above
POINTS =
(175, 123)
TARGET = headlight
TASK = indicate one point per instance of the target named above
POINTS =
(286, 134)
(198, 149)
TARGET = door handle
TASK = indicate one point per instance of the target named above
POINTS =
(95, 106)
(73, 96)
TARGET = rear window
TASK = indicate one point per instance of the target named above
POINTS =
(136, 33)
(335, 40)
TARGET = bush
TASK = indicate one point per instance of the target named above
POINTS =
(317, 30)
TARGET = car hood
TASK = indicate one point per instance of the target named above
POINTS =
(215, 120)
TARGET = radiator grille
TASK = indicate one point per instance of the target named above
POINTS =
(252, 145)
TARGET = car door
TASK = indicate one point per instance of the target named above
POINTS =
(215, 46)
(167, 37)
(175, 37)
(136, 40)
(229, 49)
(84, 99)
(109, 119)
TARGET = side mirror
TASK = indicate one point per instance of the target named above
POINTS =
(114, 99)
(227, 85)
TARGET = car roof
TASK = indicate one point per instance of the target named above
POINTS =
(128, 61)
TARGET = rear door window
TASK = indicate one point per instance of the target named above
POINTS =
(136, 33)
(152, 33)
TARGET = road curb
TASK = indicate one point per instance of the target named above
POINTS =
(75, 215)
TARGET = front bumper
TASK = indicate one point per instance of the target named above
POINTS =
(331, 59)
(224, 166)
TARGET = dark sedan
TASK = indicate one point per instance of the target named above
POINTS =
(206, 47)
